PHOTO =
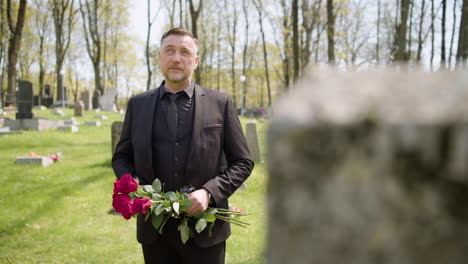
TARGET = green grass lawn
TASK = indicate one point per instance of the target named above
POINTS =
(60, 214)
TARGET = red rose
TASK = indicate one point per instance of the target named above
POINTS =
(126, 184)
(119, 201)
(127, 210)
(141, 205)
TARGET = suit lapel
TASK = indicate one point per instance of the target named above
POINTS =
(150, 104)
(198, 121)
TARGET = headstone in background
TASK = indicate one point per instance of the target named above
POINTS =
(370, 168)
(96, 96)
(68, 128)
(24, 100)
(106, 101)
(47, 99)
(70, 121)
(87, 99)
(33, 124)
(93, 123)
(40, 107)
(79, 108)
(57, 112)
(116, 130)
(252, 140)
(102, 117)
(35, 100)
(43, 161)
(47, 91)
(59, 94)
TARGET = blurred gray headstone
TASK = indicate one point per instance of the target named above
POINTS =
(102, 117)
(116, 130)
(24, 100)
(43, 161)
(87, 99)
(93, 123)
(106, 101)
(68, 128)
(252, 140)
(370, 167)
(79, 108)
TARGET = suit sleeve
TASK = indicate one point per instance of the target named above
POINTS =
(237, 153)
(123, 159)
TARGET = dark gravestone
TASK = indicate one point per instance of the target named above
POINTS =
(36, 100)
(47, 99)
(370, 168)
(24, 100)
(96, 95)
(47, 92)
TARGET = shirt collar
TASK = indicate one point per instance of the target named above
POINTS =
(188, 90)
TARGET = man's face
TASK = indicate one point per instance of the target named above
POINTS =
(178, 58)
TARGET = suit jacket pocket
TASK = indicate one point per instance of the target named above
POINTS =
(208, 126)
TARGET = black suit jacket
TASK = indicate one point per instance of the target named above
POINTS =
(216, 129)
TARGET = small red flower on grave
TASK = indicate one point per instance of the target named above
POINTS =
(33, 155)
(140, 205)
(126, 184)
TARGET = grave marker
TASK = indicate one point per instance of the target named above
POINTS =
(369, 168)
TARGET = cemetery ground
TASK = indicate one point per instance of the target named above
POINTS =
(61, 213)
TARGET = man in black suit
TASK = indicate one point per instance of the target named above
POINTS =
(179, 133)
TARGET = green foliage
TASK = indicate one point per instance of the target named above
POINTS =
(62, 213)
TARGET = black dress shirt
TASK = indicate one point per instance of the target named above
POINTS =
(170, 154)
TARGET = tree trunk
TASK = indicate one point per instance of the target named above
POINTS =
(410, 31)
(401, 54)
(420, 32)
(432, 34)
(14, 44)
(377, 46)
(453, 31)
(231, 35)
(462, 51)
(194, 14)
(295, 22)
(181, 13)
(259, 7)
(442, 46)
(147, 47)
(331, 32)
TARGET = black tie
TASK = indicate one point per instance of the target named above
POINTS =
(172, 115)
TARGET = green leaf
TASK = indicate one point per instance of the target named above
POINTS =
(210, 217)
(171, 196)
(157, 185)
(210, 229)
(159, 209)
(162, 225)
(211, 210)
(184, 231)
(157, 220)
(184, 207)
(156, 197)
(200, 225)
(148, 188)
(200, 215)
(147, 216)
(176, 206)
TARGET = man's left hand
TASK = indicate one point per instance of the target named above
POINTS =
(200, 200)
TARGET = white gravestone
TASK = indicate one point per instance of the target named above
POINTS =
(106, 101)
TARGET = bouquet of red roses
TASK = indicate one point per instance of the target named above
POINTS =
(131, 198)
